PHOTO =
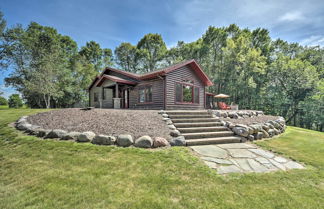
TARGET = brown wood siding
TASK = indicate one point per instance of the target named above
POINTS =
(184, 73)
(157, 95)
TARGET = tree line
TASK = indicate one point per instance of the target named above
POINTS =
(280, 78)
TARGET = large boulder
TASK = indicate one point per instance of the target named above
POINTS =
(172, 127)
(161, 112)
(144, 142)
(175, 133)
(160, 142)
(71, 136)
(256, 128)
(250, 137)
(271, 132)
(42, 132)
(241, 131)
(165, 115)
(217, 113)
(56, 133)
(265, 134)
(265, 127)
(258, 135)
(104, 140)
(259, 112)
(276, 131)
(22, 119)
(178, 141)
(125, 140)
(86, 136)
(233, 115)
(32, 129)
(169, 122)
(23, 126)
(224, 114)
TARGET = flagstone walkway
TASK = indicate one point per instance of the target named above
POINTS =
(242, 158)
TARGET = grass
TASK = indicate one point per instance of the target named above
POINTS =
(37, 173)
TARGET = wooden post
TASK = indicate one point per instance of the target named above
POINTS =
(116, 91)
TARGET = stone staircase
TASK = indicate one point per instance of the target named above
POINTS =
(200, 128)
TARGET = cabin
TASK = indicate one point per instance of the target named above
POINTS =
(180, 86)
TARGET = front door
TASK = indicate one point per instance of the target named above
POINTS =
(126, 98)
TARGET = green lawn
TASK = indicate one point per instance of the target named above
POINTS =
(37, 173)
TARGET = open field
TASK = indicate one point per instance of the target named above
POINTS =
(37, 173)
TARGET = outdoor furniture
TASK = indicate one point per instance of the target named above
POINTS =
(223, 106)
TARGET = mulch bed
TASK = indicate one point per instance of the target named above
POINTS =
(248, 121)
(104, 121)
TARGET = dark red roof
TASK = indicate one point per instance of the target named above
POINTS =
(115, 79)
(192, 63)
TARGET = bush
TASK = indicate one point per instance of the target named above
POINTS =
(15, 101)
(3, 101)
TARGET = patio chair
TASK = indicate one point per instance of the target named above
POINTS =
(223, 106)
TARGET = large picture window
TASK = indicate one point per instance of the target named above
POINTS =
(145, 94)
(187, 93)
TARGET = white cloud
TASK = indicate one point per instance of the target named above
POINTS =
(317, 40)
(291, 16)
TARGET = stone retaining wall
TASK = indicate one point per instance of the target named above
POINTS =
(257, 131)
(236, 114)
(124, 140)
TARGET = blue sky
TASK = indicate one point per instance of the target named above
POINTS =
(110, 22)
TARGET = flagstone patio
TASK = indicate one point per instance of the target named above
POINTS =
(242, 158)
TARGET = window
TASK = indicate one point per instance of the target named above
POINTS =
(187, 93)
(95, 97)
(145, 94)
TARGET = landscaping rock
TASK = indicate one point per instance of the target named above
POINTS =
(161, 112)
(86, 136)
(32, 129)
(172, 127)
(250, 137)
(233, 115)
(22, 119)
(178, 141)
(265, 134)
(241, 131)
(175, 133)
(56, 133)
(144, 142)
(104, 140)
(265, 127)
(125, 140)
(165, 115)
(160, 142)
(169, 122)
(23, 126)
(276, 131)
(258, 135)
(71, 136)
(271, 132)
(42, 132)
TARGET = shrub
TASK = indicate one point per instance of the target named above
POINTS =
(3, 101)
(15, 101)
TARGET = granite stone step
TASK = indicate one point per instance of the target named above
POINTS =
(203, 129)
(207, 134)
(217, 140)
(184, 116)
(197, 124)
(194, 120)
